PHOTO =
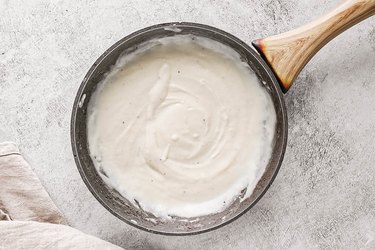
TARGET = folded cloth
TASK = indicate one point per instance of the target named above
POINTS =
(28, 217)
(22, 196)
(37, 235)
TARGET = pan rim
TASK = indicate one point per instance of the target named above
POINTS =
(246, 47)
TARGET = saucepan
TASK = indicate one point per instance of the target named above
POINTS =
(277, 60)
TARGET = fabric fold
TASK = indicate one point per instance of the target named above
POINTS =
(22, 196)
(28, 217)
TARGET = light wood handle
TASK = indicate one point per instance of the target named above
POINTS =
(289, 52)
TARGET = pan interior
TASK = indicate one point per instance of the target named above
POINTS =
(116, 203)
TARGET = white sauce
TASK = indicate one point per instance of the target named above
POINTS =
(182, 125)
(134, 222)
(82, 101)
(173, 28)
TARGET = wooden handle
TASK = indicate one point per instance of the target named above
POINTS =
(289, 52)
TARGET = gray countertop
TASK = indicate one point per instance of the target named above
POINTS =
(324, 195)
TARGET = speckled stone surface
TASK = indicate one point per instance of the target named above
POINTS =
(324, 195)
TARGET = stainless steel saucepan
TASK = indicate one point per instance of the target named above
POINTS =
(276, 60)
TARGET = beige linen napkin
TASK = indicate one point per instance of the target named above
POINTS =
(28, 217)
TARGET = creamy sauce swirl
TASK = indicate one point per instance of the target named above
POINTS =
(181, 126)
